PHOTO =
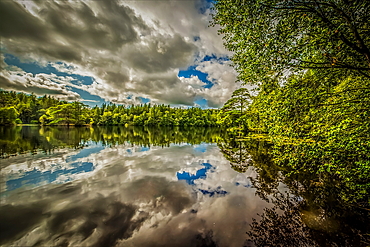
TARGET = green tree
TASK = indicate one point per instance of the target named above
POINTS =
(235, 107)
(59, 115)
(8, 115)
(269, 38)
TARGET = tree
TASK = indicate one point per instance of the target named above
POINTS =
(8, 115)
(61, 114)
(234, 108)
(240, 99)
(272, 38)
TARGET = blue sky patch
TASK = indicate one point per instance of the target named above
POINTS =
(212, 192)
(36, 178)
(88, 98)
(144, 100)
(203, 103)
(190, 178)
(35, 68)
(192, 71)
(244, 185)
(143, 149)
(85, 152)
(30, 67)
(205, 4)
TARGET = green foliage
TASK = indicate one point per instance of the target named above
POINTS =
(74, 113)
(233, 111)
(8, 115)
(50, 111)
(318, 129)
(309, 62)
(269, 38)
(153, 115)
(29, 108)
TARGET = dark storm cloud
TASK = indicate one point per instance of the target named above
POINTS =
(161, 54)
(16, 22)
(113, 219)
(182, 238)
(109, 27)
(90, 219)
(117, 78)
(106, 38)
(75, 223)
(66, 31)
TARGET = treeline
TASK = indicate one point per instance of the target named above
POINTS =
(18, 108)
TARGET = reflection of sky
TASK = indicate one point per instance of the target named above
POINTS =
(62, 173)
(85, 153)
(217, 191)
(169, 196)
(57, 172)
(190, 178)
(200, 174)
(131, 151)
(36, 177)
(248, 185)
(143, 149)
(201, 148)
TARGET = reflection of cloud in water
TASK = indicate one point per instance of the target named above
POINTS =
(36, 177)
(60, 169)
(133, 200)
(200, 174)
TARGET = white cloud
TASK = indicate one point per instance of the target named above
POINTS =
(130, 48)
(224, 77)
(40, 84)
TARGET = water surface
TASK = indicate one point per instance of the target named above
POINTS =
(119, 186)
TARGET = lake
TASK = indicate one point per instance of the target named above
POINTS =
(136, 186)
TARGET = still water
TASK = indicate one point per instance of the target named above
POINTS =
(122, 186)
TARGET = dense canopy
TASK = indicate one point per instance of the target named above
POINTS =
(274, 37)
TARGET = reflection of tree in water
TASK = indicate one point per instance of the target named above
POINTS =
(203, 240)
(24, 139)
(292, 222)
(237, 153)
(254, 152)
(285, 229)
(313, 214)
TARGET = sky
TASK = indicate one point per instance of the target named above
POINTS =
(124, 52)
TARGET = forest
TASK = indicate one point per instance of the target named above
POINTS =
(20, 108)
